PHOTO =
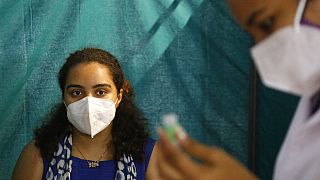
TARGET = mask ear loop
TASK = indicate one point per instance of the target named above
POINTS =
(299, 14)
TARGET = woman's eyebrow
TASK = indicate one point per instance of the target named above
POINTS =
(74, 86)
(101, 85)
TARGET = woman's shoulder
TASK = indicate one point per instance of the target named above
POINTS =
(29, 164)
(32, 147)
(31, 153)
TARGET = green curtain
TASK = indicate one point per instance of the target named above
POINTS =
(187, 57)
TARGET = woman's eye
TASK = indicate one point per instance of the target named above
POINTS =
(101, 92)
(76, 93)
(267, 25)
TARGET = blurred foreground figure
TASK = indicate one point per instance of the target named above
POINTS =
(287, 57)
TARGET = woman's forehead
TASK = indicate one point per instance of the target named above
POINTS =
(90, 66)
(90, 73)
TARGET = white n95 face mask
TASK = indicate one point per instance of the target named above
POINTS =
(91, 115)
(289, 60)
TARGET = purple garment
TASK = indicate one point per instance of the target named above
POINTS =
(315, 103)
(306, 22)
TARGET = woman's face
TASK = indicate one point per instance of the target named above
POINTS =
(263, 17)
(90, 79)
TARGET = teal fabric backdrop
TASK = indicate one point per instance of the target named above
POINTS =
(183, 56)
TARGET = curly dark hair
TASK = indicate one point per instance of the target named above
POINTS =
(129, 129)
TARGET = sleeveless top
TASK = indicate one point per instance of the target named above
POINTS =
(108, 169)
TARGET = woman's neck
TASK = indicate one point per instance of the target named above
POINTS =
(92, 148)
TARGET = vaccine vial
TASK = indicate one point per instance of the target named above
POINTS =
(172, 128)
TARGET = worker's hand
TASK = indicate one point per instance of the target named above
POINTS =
(175, 163)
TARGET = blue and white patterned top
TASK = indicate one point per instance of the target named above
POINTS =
(106, 169)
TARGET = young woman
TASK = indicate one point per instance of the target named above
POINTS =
(96, 132)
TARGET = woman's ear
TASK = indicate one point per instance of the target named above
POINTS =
(119, 98)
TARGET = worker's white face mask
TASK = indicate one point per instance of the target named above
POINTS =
(91, 115)
(289, 60)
